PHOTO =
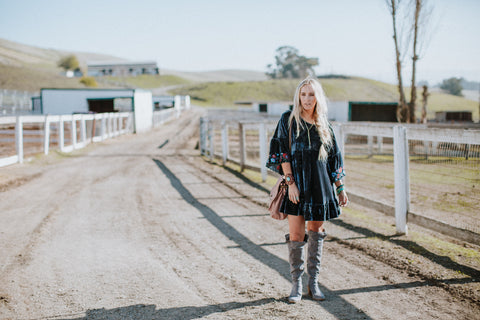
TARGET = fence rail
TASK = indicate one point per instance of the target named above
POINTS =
(406, 168)
(69, 132)
(33, 134)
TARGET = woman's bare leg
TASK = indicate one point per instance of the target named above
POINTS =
(296, 226)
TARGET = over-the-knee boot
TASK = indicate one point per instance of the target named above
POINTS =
(296, 258)
(315, 247)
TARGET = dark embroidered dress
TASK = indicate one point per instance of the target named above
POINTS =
(314, 178)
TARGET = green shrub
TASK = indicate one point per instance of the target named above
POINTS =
(89, 81)
(69, 62)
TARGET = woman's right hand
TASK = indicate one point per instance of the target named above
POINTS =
(293, 193)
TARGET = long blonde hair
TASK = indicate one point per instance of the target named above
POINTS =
(319, 115)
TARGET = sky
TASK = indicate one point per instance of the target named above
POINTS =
(350, 37)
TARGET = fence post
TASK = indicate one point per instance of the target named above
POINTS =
(74, 132)
(83, 130)
(109, 125)
(262, 136)
(94, 126)
(380, 144)
(370, 146)
(241, 133)
(115, 124)
(46, 135)
(426, 146)
(402, 183)
(224, 142)
(340, 137)
(202, 136)
(19, 138)
(211, 138)
(103, 127)
(61, 133)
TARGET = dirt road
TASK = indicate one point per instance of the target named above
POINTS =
(140, 228)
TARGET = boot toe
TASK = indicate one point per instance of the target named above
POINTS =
(317, 296)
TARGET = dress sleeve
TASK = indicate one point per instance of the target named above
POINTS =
(279, 146)
(335, 161)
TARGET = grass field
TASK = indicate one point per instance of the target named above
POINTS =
(28, 68)
(225, 94)
(33, 79)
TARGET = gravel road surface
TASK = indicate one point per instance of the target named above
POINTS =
(141, 227)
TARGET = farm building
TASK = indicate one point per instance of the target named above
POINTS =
(372, 111)
(68, 101)
(341, 111)
(162, 102)
(453, 116)
(271, 108)
(121, 69)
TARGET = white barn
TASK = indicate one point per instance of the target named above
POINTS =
(68, 101)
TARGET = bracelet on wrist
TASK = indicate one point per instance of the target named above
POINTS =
(289, 179)
(340, 188)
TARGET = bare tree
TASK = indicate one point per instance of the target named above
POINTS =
(413, 88)
(402, 104)
(425, 95)
(421, 15)
(416, 30)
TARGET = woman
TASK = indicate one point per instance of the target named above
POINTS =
(303, 150)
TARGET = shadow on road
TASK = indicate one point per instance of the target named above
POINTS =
(411, 246)
(275, 263)
(414, 247)
(150, 312)
(334, 302)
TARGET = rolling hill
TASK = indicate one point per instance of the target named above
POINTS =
(28, 68)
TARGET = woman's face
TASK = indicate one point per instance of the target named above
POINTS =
(307, 97)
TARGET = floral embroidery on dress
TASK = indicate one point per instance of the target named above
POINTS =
(338, 174)
(278, 158)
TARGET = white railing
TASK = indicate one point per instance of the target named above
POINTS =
(162, 116)
(100, 127)
(259, 132)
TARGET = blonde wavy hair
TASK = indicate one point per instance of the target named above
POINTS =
(320, 115)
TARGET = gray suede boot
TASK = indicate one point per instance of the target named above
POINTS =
(296, 258)
(315, 247)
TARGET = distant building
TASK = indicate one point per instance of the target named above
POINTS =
(341, 111)
(163, 102)
(122, 69)
(372, 111)
(453, 116)
(57, 101)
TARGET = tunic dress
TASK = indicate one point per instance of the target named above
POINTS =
(313, 177)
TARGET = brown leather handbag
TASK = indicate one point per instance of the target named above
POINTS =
(279, 190)
(276, 198)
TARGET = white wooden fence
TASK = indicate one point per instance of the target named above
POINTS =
(91, 128)
(110, 125)
(400, 134)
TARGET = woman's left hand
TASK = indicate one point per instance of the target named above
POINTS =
(343, 198)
